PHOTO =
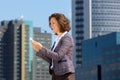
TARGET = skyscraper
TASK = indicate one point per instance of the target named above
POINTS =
(92, 18)
(14, 53)
(40, 66)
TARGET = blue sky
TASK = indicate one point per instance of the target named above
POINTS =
(37, 11)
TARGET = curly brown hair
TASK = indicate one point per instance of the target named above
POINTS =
(62, 21)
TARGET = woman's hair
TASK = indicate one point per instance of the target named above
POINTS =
(62, 21)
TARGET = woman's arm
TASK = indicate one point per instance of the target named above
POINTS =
(65, 45)
(43, 57)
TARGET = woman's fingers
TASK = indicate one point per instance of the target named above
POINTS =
(36, 45)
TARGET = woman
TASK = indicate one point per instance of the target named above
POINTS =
(61, 55)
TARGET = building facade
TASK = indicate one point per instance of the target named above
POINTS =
(92, 18)
(14, 53)
(101, 58)
(40, 66)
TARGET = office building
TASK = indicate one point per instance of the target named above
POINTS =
(40, 66)
(14, 50)
(29, 50)
(100, 58)
(92, 18)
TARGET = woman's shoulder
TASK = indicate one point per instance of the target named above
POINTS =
(68, 38)
(68, 35)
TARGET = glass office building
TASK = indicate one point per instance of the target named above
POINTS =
(101, 58)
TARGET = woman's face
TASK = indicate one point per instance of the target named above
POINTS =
(54, 25)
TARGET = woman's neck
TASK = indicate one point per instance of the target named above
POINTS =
(59, 34)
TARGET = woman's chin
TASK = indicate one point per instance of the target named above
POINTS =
(55, 33)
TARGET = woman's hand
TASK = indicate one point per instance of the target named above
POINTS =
(36, 45)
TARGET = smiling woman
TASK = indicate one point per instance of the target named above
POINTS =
(61, 55)
(59, 22)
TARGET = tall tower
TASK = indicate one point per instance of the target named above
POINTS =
(81, 26)
(92, 18)
(14, 53)
(28, 33)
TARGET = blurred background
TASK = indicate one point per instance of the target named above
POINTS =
(95, 29)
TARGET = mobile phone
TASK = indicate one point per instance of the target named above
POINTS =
(31, 39)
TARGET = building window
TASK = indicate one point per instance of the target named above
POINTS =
(96, 44)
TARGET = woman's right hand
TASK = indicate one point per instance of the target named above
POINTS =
(36, 45)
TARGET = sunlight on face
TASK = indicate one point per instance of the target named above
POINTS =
(54, 25)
